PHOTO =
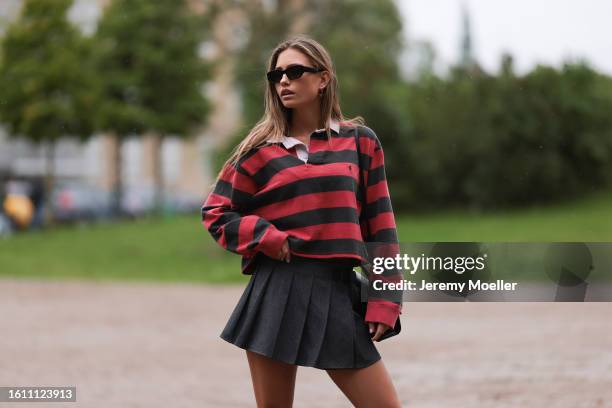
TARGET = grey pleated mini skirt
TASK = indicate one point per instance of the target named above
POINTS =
(301, 313)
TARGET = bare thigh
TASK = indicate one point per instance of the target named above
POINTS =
(367, 387)
(273, 381)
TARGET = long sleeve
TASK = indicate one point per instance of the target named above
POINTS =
(224, 215)
(382, 241)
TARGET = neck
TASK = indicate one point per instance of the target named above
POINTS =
(305, 121)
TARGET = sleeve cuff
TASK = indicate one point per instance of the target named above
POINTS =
(383, 311)
(272, 241)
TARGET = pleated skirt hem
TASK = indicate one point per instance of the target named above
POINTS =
(305, 363)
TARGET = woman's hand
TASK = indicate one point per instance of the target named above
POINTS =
(378, 329)
(285, 254)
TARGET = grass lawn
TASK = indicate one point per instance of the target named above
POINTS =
(179, 249)
(584, 220)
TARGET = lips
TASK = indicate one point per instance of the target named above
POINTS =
(287, 92)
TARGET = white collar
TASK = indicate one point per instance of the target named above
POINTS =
(289, 141)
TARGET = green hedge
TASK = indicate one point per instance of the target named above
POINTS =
(496, 141)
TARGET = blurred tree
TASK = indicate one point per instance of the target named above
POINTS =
(265, 27)
(48, 85)
(497, 141)
(152, 74)
(423, 55)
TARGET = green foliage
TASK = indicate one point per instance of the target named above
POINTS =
(147, 56)
(494, 141)
(48, 87)
(364, 39)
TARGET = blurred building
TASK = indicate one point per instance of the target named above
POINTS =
(187, 172)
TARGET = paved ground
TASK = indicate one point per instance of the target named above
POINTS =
(156, 345)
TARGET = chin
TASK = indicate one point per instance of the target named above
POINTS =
(290, 105)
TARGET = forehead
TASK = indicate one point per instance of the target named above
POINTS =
(291, 56)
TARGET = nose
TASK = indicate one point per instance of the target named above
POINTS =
(283, 78)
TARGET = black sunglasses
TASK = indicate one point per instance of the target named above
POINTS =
(293, 72)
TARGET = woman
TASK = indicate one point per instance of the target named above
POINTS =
(286, 200)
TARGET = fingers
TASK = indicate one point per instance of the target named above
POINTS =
(379, 329)
(285, 254)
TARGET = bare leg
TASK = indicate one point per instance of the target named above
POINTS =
(273, 381)
(367, 387)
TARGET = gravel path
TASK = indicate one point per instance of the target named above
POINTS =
(157, 345)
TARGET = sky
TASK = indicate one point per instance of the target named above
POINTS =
(533, 31)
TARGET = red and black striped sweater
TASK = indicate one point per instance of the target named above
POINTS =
(271, 195)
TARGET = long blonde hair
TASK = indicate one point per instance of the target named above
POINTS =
(276, 118)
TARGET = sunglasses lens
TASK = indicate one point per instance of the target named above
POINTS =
(295, 71)
(275, 76)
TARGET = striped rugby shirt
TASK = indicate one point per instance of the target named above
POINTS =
(272, 194)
